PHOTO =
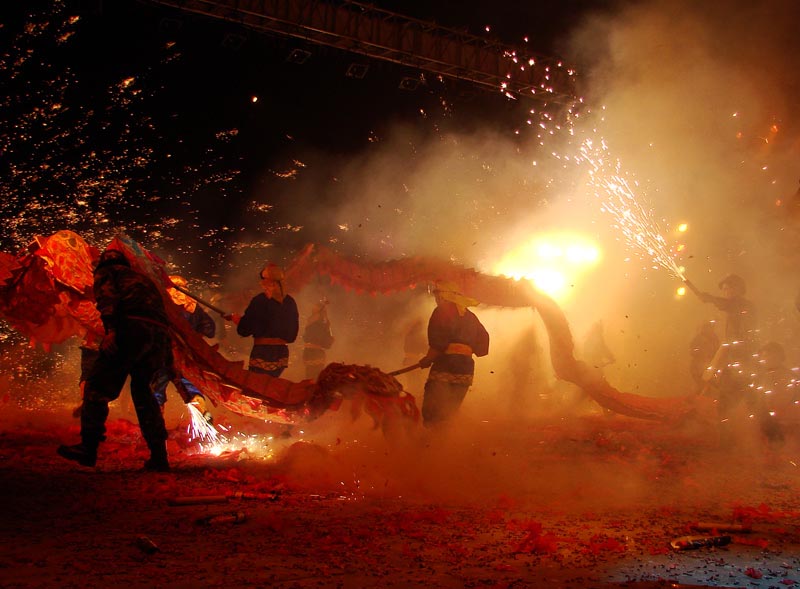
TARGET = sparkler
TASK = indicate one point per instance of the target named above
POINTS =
(199, 428)
(639, 228)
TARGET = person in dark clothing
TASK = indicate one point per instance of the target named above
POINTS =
(136, 343)
(203, 324)
(272, 320)
(733, 363)
(317, 338)
(454, 335)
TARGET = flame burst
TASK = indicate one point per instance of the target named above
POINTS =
(552, 262)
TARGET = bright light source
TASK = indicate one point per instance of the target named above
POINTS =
(552, 262)
(683, 227)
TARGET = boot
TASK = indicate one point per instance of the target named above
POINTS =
(156, 465)
(80, 453)
(158, 461)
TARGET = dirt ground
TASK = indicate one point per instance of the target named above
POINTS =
(590, 501)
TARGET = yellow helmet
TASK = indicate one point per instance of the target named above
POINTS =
(449, 291)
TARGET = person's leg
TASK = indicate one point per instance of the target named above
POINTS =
(434, 402)
(103, 385)
(155, 361)
(151, 421)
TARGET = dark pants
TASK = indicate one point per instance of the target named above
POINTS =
(267, 359)
(441, 401)
(144, 352)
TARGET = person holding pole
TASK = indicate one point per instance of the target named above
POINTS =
(272, 320)
(454, 335)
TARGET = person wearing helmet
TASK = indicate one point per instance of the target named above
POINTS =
(272, 320)
(454, 335)
(136, 343)
(733, 362)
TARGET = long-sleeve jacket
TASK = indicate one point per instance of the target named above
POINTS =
(447, 327)
(266, 317)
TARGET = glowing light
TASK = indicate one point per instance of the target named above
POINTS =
(683, 227)
(681, 291)
(254, 99)
(552, 262)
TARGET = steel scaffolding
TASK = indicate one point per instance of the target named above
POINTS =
(380, 34)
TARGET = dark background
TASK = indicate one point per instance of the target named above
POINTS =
(174, 158)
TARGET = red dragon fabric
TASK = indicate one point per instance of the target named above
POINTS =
(46, 294)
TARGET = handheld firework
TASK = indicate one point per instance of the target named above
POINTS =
(690, 285)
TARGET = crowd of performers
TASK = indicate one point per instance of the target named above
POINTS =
(735, 370)
(136, 343)
(742, 374)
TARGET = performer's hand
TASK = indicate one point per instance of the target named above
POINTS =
(199, 403)
(235, 318)
(425, 362)
(108, 345)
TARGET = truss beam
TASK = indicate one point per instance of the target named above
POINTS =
(380, 34)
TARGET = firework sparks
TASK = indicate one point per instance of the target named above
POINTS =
(199, 428)
(639, 228)
(81, 149)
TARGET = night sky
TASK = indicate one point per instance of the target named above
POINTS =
(142, 119)
(185, 143)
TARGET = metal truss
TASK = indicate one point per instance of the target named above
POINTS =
(379, 34)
